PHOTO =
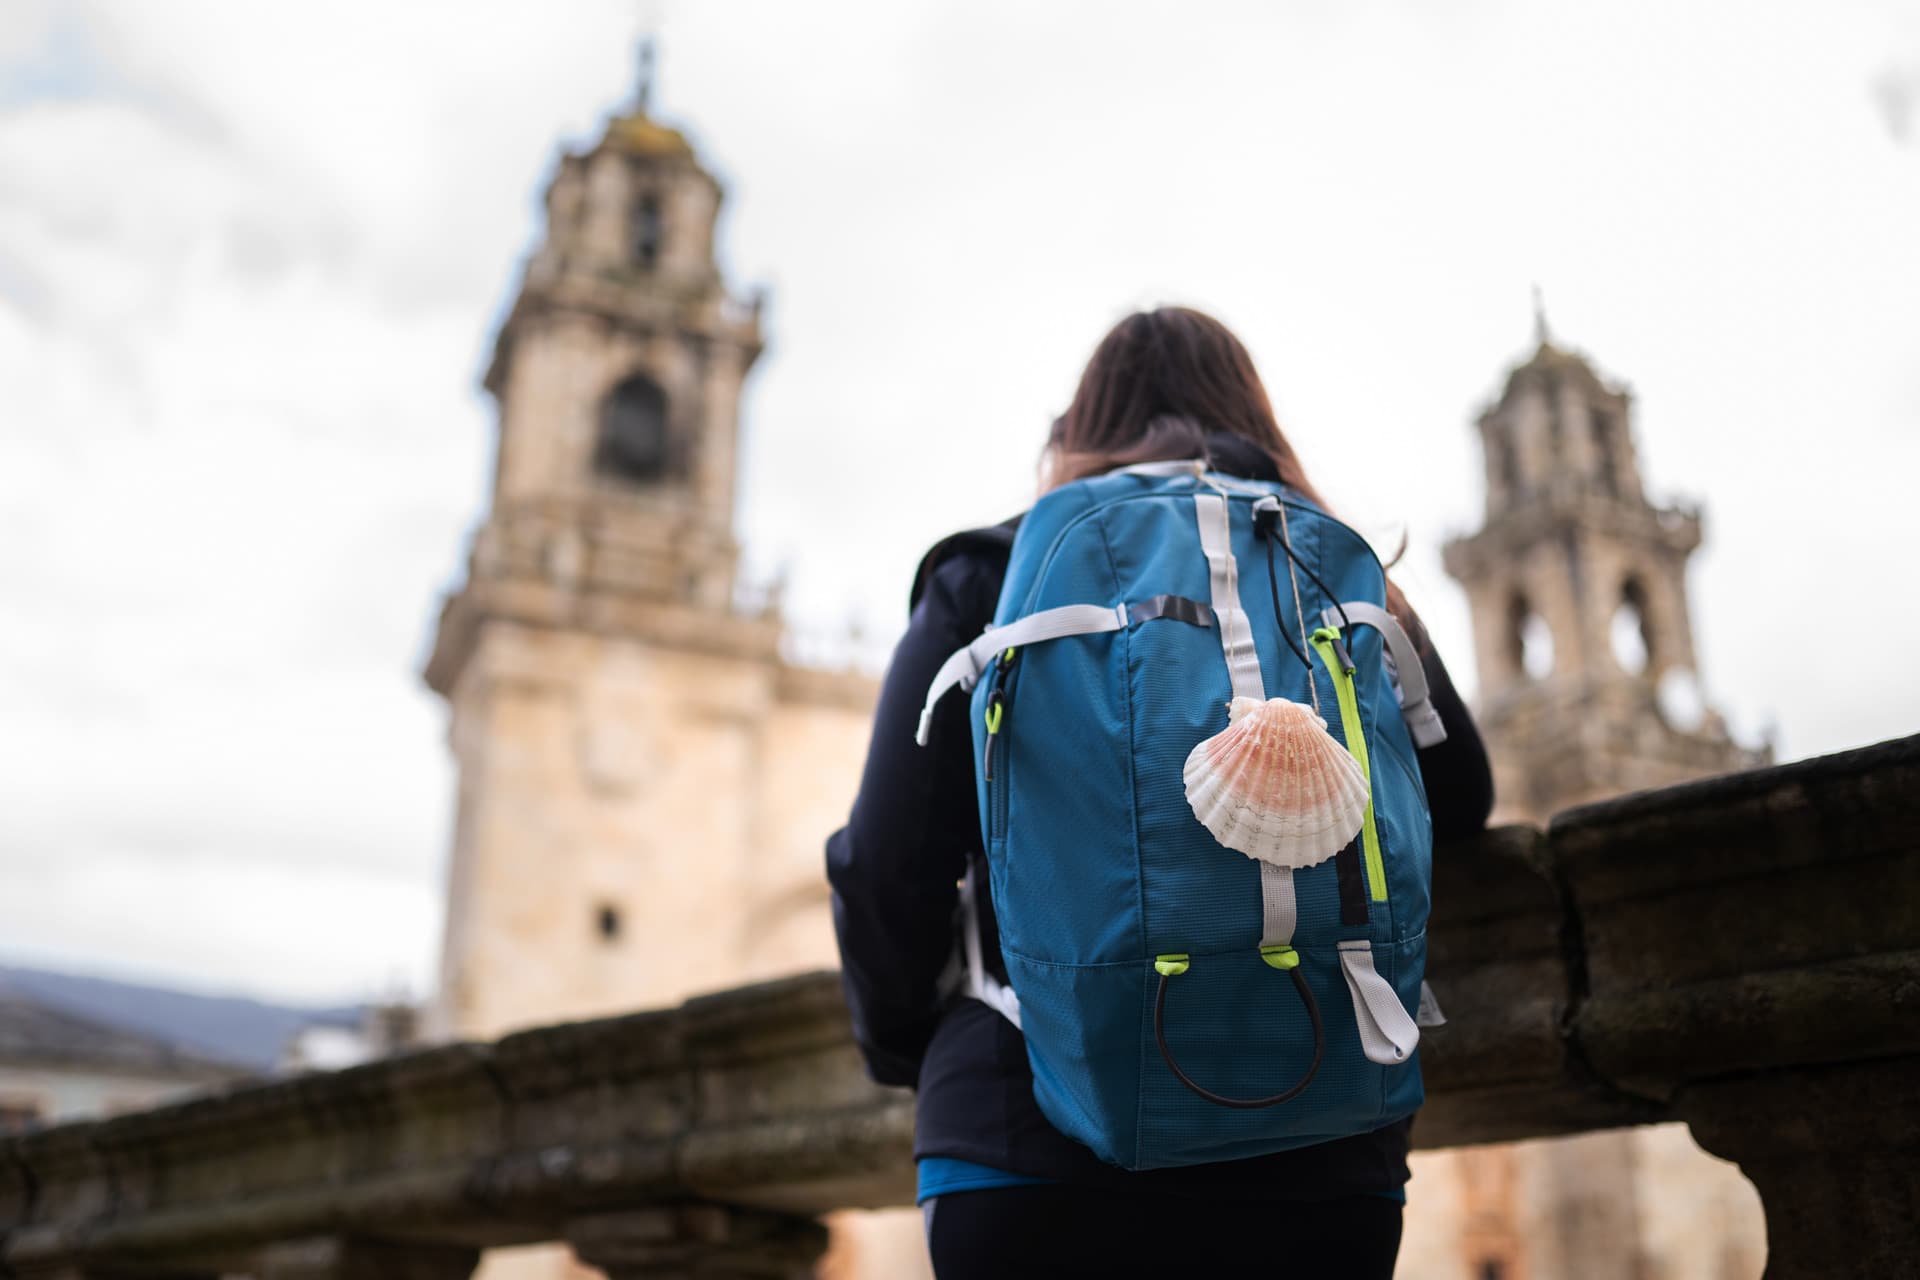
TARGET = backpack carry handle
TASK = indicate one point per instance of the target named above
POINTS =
(1167, 972)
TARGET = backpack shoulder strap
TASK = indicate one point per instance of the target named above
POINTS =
(995, 543)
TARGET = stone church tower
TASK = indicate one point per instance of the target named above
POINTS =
(644, 783)
(1589, 685)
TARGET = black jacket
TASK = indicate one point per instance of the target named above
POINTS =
(894, 869)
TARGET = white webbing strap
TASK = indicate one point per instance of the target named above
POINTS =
(981, 985)
(963, 666)
(1278, 912)
(1416, 701)
(1212, 516)
(1387, 1034)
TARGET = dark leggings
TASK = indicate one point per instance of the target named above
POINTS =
(1061, 1231)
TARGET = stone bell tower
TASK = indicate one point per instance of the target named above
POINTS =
(641, 777)
(618, 375)
(1588, 688)
(1589, 683)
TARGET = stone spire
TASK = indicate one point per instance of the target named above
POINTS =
(643, 93)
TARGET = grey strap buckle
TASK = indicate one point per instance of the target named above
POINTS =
(1416, 700)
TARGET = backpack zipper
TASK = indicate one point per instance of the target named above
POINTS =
(1046, 559)
(1327, 642)
(999, 699)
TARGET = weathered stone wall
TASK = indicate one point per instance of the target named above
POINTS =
(810, 761)
(685, 792)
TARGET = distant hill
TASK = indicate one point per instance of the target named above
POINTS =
(249, 1033)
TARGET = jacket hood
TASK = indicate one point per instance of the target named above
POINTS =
(1237, 456)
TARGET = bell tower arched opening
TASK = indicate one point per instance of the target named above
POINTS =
(1629, 633)
(1529, 640)
(634, 444)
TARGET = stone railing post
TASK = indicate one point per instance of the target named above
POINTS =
(346, 1258)
(1831, 1150)
(699, 1242)
(1750, 964)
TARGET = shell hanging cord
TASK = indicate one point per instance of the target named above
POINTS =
(1274, 784)
(1293, 578)
(1265, 529)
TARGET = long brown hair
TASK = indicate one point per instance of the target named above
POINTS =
(1157, 384)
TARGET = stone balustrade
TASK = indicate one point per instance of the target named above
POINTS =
(1742, 954)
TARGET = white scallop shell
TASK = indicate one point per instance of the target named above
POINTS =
(1275, 785)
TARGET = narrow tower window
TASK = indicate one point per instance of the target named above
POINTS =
(633, 431)
(1605, 469)
(1506, 462)
(1629, 634)
(606, 922)
(646, 232)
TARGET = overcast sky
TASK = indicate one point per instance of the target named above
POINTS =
(251, 256)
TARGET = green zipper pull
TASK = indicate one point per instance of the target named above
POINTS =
(1326, 641)
(996, 716)
(996, 709)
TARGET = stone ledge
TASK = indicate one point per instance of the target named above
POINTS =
(1586, 972)
(1757, 920)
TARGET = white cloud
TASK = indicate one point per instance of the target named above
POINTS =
(249, 256)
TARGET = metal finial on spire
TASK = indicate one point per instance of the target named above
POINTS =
(1540, 333)
(643, 96)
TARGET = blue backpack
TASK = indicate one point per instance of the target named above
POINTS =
(1183, 1003)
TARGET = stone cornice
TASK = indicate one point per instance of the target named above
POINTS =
(545, 606)
(1539, 517)
(699, 307)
